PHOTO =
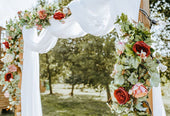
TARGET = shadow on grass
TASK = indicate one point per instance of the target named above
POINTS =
(81, 105)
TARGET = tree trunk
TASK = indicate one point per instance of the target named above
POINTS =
(109, 99)
(72, 90)
(49, 73)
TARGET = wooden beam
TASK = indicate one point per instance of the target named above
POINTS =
(18, 107)
(142, 18)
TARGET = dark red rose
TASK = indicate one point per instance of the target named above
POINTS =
(8, 76)
(139, 46)
(6, 44)
(121, 95)
(58, 15)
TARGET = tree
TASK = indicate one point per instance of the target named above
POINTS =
(49, 68)
(90, 60)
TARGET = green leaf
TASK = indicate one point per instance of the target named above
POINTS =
(133, 79)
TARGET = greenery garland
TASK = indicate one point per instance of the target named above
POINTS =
(136, 70)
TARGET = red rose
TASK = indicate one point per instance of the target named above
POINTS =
(58, 15)
(6, 44)
(42, 14)
(141, 46)
(8, 76)
(121, 95)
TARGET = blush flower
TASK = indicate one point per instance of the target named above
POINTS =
(120, 47)
(143, 55)
(12, 68)
(9, 37)
(141, 46)
(6, 94)
(59, 15)
(121, 95)
(42, 14)
(6, 45)
(8, 77)
(39, 27)
(138, 90)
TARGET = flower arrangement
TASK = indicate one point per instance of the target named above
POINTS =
(136, 70)
(12, 58)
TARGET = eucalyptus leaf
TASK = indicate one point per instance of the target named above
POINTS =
(133, 79)
(119, 80)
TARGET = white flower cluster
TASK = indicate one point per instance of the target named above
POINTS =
(162, 67)
(8, 58)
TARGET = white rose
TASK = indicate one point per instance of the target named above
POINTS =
(6, 94)
(12, 28)
(162, 67)
(65, 10)
(8, 58)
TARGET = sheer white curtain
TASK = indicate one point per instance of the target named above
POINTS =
(96, 17)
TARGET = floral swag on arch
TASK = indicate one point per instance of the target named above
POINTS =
(136, 65)
(12, 59)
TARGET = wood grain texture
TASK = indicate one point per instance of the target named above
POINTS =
(18, 107)
(142, 18)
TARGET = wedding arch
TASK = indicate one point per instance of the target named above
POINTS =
(37, 31)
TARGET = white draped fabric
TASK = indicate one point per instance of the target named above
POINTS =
(158, 106)
(96, 17)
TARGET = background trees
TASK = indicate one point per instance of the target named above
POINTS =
(88, 60)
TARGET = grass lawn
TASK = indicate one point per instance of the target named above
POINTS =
(80, 105)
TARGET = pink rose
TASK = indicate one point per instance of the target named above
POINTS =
(6, 94)
(138, 90)
(12, 68)
(39, 27)
(42, 14)
(9, 37)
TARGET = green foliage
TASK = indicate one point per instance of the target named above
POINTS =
(132, 68)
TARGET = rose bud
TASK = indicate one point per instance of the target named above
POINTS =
(121, 95)
(138, 90)
(141, 46)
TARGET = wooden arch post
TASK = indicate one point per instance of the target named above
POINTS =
(142, 18)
